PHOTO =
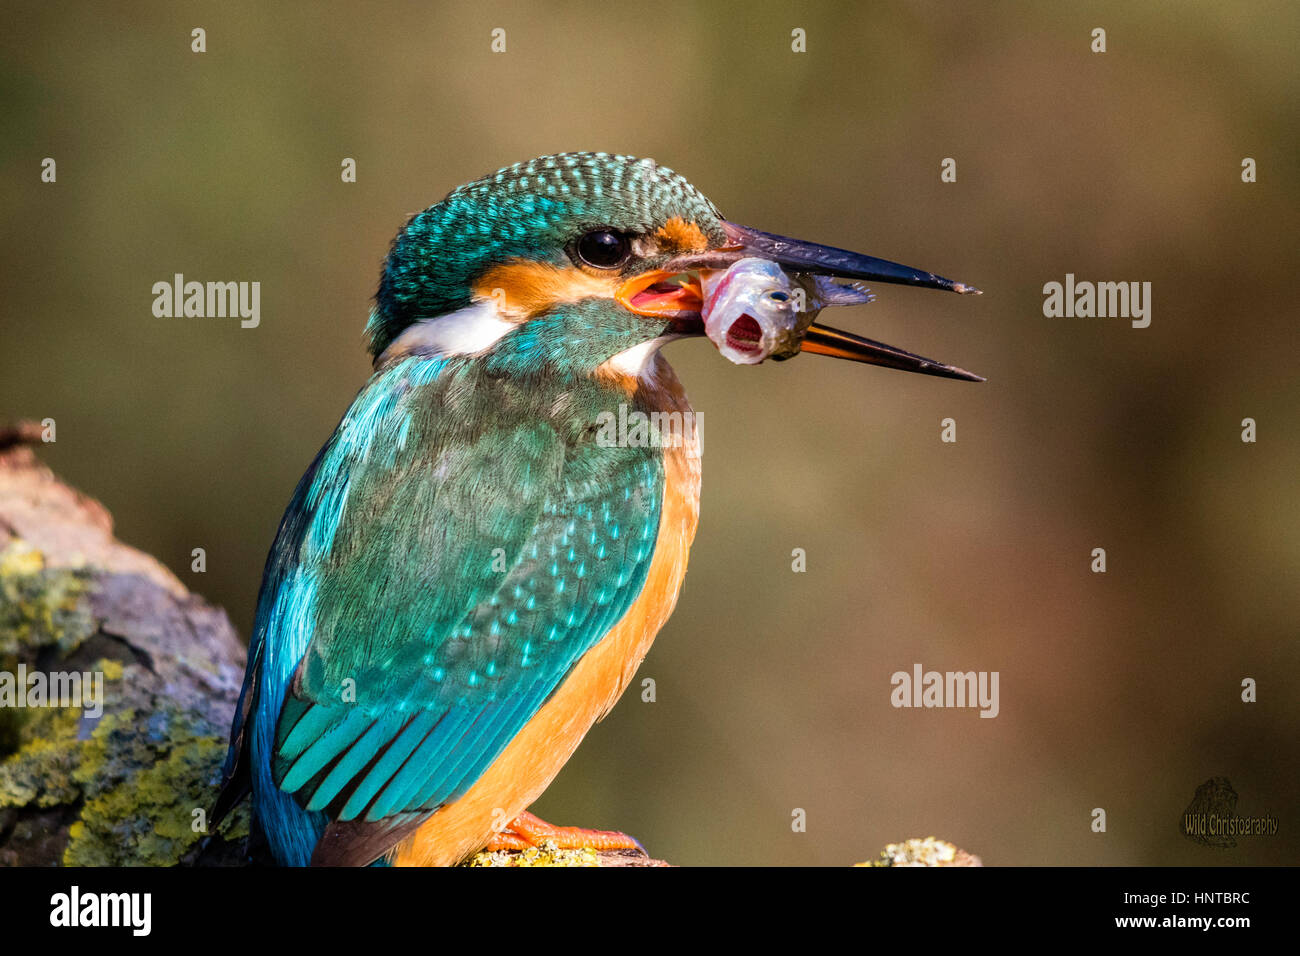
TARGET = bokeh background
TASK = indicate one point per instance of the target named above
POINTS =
(1118, 690)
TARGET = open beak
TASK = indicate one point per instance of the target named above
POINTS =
(676, 292)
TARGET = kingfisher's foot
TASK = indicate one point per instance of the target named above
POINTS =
(528, 830)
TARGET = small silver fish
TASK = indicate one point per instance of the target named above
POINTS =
(754, 310)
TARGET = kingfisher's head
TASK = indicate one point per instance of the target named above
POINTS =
(580, 262)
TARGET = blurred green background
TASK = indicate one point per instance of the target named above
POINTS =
(1118, 691)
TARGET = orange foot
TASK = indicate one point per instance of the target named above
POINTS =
(527, 830)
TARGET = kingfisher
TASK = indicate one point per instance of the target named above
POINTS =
(467, 576)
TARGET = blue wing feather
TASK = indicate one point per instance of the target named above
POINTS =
(436, 578)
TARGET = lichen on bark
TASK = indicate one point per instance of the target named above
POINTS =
(127, 779)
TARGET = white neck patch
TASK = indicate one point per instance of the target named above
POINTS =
(468, 331)
(639, 360)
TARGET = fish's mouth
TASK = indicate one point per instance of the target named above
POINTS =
(745, 336)
(675, 293)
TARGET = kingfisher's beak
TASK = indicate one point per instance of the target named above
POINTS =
(675, 292)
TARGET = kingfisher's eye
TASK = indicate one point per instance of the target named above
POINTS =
(604, 248)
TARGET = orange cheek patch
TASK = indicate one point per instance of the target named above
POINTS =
(523, 288)
(684, 236)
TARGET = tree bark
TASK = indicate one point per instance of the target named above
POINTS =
(125, 779)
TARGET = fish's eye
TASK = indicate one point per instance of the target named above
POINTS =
(604, 248)
(779, 296)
